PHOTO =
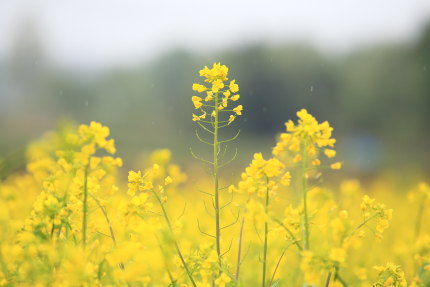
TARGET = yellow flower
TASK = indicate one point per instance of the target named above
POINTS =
(199, 88)
(312, 151)
(235, 97)
(197, 101)
(336, 165)
(218, 72)
(134, 176)
(297, 158)
(147, 186)
(238, 110)
(367, 202)
(330, 153)
(94, 162)
(286, 179)
(234, 88)
(110, 146)
(196, 118)
(217, 85)
(222, 280)
(273, 167)
(209, 96)
(89, 149)
(168, 180)
(307, 130)
(231, 118)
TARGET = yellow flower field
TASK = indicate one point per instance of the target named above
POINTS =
(75, 218)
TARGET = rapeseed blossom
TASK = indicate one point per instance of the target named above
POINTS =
(74, 218)
(219, 93)
(306, 140)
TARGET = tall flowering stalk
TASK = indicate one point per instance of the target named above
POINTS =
(140, 187)
(215, 115)
(261, 181)
(306, 140)
(91, 138)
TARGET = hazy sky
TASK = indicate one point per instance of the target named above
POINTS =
(105, 32)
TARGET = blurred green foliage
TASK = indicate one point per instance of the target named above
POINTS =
(378, 98)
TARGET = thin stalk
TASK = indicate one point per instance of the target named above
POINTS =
(172, 280)
(277, 266)
(239, 249)
(338, 278)
(266, 231)
(85, 208)
(305, 198)
(305, 228)
(327, 282)
(178, 250)
(112, 234)
(216, 184)
(365, 221)
(295, 241)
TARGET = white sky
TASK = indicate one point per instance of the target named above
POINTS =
(105, 32)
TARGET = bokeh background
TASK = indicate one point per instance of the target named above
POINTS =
(362, 65)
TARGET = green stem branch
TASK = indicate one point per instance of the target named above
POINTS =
(266, 231)
(175, 242)
(305, 198)
(239, 249)
(216, 183)
(85, 208)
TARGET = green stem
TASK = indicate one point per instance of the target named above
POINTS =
(277, 266)
(239, 249)
(338, 278)
(112, 234)
(365, 221)
(216, 184)
(266, 231)
(305, 198)
(85, 208)
(295, 241)
(327, 282)
(169, 273)
(178, 250)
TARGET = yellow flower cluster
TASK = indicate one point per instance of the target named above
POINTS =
(74, 171)
(390, 275)
(218, 95)
(372, 210)
(313, 268)
(307, 139)
(70, 218)
(422, 251)
(262, 174)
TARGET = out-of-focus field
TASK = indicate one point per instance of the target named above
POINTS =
(305, 162)
(69, 219)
